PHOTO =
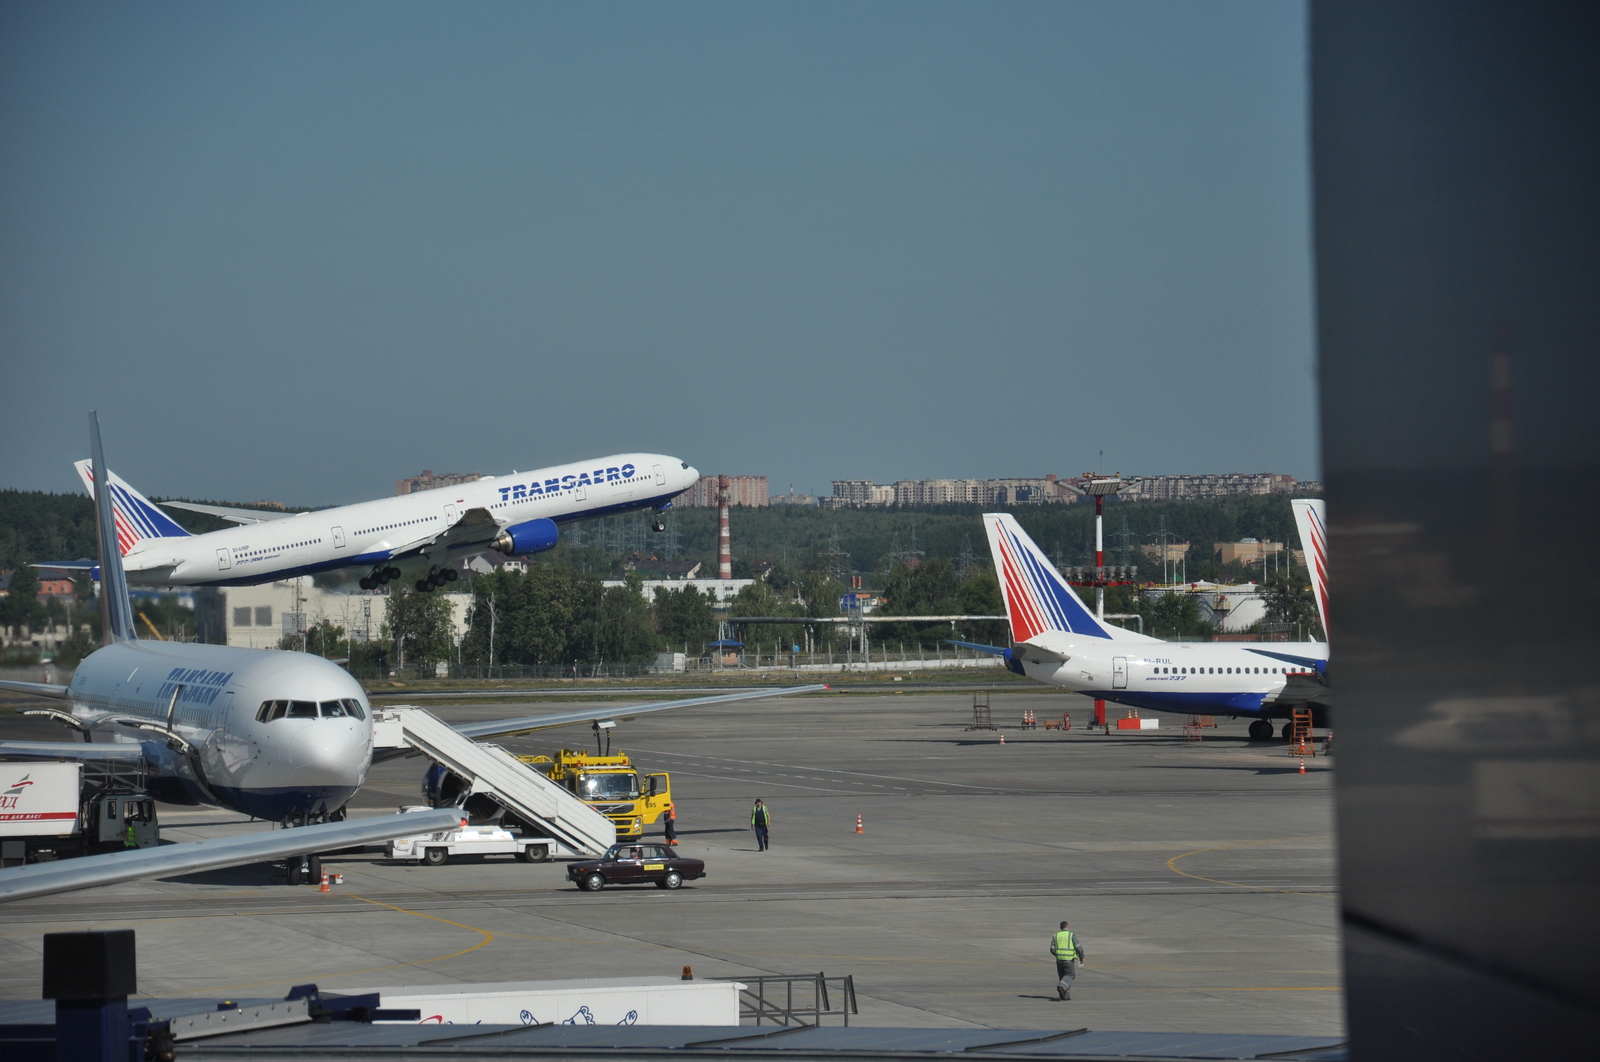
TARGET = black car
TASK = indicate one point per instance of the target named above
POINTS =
(633, 864)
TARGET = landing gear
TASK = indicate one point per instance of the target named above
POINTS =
(1261, 730)
(380, 577)
(436, 578)
(658, 524)
(1288, 731)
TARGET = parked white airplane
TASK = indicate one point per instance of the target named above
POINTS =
(423, 532)
(1060, 642)
(281, 736)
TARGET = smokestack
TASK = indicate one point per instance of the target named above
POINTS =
(724, 547)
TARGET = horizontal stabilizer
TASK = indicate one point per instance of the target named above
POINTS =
(82, 564)
(65, 875)
(497, 727)
(992, 650)
(37, 689)
(229, 513)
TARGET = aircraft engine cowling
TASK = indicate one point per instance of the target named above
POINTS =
(534, 536)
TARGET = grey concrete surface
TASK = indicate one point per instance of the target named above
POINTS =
(1201, 876)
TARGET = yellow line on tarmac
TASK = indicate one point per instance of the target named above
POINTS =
(1242, 844)
(487, 938)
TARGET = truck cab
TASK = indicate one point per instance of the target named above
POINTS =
(611, 785)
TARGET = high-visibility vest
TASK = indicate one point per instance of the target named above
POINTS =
(759, 816)
(1066, 947)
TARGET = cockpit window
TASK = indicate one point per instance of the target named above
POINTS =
(302, 709)
(271, 710)
(352, 708)
(332, 709)
(344, 708)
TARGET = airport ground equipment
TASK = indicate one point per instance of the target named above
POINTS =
(54, 811)
(981, 719)
(795, 1001)
(538, 805)
(611, 785)
(39, 879)
(602, 1001)
(437, 847)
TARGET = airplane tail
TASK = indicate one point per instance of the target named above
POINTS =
(1037, 598)
(1311, 517)
(136, 516)
(116, 611)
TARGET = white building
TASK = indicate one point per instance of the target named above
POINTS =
(721, 591)
(259, 617)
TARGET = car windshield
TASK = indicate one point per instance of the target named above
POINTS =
(608, 786)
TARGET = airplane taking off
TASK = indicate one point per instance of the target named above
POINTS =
(424, 533)
(281, 736)
(1061, 643)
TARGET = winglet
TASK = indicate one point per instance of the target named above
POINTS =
(1311, 517)
(116, 612)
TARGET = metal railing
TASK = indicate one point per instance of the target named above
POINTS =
(771, 999)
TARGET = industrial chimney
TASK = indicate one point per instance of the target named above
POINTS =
(724, 548)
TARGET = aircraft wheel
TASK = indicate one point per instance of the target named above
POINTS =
(391, 573)
(1288, 731)
(1260, 730)
(291, 870)
(658, 525)
(366, 583)
(423, 586)
(314, 869)
(451, 575)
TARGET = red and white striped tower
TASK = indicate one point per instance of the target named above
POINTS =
(724, 546)
(1099, 487)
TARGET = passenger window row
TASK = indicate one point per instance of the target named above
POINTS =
(345, 708)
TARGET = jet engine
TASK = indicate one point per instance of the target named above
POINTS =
(533, 536)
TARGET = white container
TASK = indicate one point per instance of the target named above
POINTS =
(590, 1001)
(39, 799)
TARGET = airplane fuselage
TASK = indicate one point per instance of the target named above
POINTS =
(222, 737)
(1200, 678)
(382, 531)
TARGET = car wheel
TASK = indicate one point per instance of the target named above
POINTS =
(436, 857)
(672, 880)
(594, 882)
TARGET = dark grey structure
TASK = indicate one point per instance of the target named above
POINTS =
(1457, 171)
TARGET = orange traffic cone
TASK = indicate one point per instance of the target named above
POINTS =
(1002, 737)
(324, 883)
(860, 828)
(1302, 765)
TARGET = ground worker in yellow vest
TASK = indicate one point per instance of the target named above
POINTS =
(1068, 951)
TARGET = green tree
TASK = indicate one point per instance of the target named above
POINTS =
(20, 607)
(1290, 600)
(620, 629)
(929, 589)
(419, 627)
(1173, 615)
(323, 638)
(683, 617)
(980, 596)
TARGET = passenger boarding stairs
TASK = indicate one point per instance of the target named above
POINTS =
(494, 772)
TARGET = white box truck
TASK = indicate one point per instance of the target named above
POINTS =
(56, 810)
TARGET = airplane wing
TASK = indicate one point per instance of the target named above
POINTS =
(500, 727)
(229, 513)
(37, 689)
(65, 875)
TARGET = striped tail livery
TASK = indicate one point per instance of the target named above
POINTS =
(1311, 517)
(136, 516)
(1037, 598)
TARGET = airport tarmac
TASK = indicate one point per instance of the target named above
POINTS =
(1200, 876)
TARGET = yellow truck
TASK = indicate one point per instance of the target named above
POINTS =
(611, 785)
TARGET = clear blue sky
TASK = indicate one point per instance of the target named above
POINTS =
(298, 251)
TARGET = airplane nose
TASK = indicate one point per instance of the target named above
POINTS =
(331, 752)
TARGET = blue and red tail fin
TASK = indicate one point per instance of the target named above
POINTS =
(1311, 517)
(136, 516)
(1037, 598)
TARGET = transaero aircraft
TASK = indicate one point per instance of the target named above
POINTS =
(281, 736)
(1060, 642)
(421, 534)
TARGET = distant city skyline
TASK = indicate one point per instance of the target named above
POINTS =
(299, 251)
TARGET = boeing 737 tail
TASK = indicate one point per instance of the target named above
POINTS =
(1311, 517)
(137, 517)
(1037, 598)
